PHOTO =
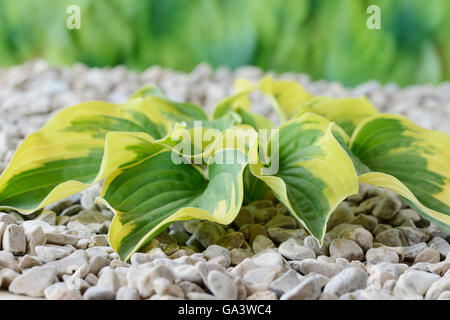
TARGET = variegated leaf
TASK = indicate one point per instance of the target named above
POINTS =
(407, 159)
(315, 173)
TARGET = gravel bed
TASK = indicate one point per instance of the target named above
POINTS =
(375, 246)
(30, 93)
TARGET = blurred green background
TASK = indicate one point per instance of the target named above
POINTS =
(328, 39)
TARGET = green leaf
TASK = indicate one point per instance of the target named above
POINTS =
(286, 96)
(72, 151)
(315, 173)
(151, 195)
(346, 112)
(409, 160)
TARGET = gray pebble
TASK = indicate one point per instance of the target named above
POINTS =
(59, 291)
(221, 286)
(34, 281)
(291, 250)
(97, 293)
(346, 281)
(108, 280)
(308, 289)
(127, 293)
(377, 255)
(347, 249)
(14, 239)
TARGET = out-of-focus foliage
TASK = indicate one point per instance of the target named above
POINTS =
(324, 38)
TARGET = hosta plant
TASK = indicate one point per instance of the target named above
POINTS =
(156, 171)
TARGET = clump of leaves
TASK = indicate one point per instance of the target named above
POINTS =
(324, 148)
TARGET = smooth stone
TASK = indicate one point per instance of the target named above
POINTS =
(279, 235)
(404, 215)
(245, 266)
(346, 281)
(238, 255)
(255, 230)
(98, 262)
(191, 225)
(208, 232)
(200, 296)
(342, 214)
(391, 238)
(444, 296)
(34, 281)
(59, 291)
(14, 239)
(145, 284)
(429, 255)
(140, 258)
(281, 221)
(7, 218)
(262, 243)
(7, 260)
(307, 266)
(7, 276)
(98, 240)
(188, 286)
(97, 293)
(385, 271)
(411, 252)
(28, 261)
(121, 273)
(35, 237)
(214, 251)
(382, 254)
(437, 288)
(339, 230)
(415, 282)
(187, 272)
(70, 263)
(61, 239)
(361, 236)
(62, 220)
(127, 293)
(328, 296)
(361, 195)
(285, 282)
(245, 216)
(108, 280)
(268, 257)
(164, 287)
(381, 227)
(71, 211)
(434, 231)
(59, 206)
(48, 216)
(441, 245)
(369, 222)
(2, 230)
(387, 207)
(262, 295)
(51, 252)
(91, 279)
(231, 240)
(291, 250)
(264, 274)
(347, 249)
(90, 216)
(308, 289)
(221, 286)
(414, 235)
(312, 243)
(31, 224)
